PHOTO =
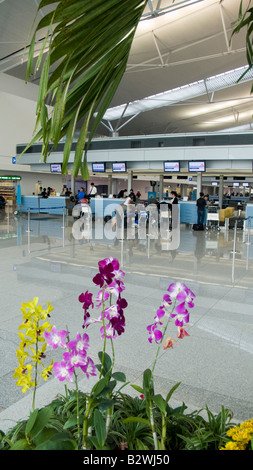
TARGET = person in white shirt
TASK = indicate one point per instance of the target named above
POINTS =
(93, 190)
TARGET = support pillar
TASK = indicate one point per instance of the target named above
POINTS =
(130, 181)
(73, 185)
(109, 184)
(199, 184)
(160, 187)
(221, 191)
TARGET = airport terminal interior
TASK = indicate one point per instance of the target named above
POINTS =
(201, 142)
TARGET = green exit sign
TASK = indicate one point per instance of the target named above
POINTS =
(10, 178)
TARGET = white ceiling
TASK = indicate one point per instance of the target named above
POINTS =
(182, 42)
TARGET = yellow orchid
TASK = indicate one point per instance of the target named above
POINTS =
(29, 354)
(47, 371)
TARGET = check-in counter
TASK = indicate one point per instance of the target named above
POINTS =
(101, 207)
(249, 213)
(51, 205)
(188, 212)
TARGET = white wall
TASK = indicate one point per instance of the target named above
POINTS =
(29, 180)
(17, 121)
(17, 115)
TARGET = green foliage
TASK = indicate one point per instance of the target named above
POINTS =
(86, 50)
(245, 21)
(54, 427)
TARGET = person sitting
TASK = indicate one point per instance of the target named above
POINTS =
(81, 194)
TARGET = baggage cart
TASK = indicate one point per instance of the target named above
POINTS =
(213, 218)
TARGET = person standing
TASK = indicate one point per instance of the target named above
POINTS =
(132, 195)
(93, 190)
(201, 205)
(174, 197)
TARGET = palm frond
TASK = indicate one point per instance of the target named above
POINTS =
(88, 46)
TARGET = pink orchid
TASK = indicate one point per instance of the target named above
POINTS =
(56, 338)
(63, 371)
(155, 334)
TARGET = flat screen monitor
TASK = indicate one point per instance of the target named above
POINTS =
(245, 185)
(55, 167)
(214, 183)
(197, 166)
(98, 167)
(235, 185)
(171, 167)
(119, 167)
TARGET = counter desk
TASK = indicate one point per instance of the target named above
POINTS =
(51, 205)
(249, 213)
(188, 212)
(100, 207)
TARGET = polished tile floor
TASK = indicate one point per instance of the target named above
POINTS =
(214, 364)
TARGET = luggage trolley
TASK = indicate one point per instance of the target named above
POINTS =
(213, 217)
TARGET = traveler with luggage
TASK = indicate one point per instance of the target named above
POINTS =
(201, 205)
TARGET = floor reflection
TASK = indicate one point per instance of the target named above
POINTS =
(43, 258)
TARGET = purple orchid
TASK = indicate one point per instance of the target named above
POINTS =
(108, 331)
(86, 300)
(181, 315)
(159, 314)
(103, 296)
(155, 334)
(106, 273)
(177, 292)
(75, 358)
(186, 296)
(89, 368)
(56, 338)
(118, 323)
(81, 343)
(175, 289)
(63, 371)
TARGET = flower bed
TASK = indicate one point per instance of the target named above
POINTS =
(106, 418)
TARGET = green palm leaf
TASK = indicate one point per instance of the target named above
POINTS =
(88, 47)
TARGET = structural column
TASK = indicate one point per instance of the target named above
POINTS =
(73, 185)
(130, 181)
(109, 184)
(199, 184)
(221, 191)
(160, 187)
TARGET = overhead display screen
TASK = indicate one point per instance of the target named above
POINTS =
(98, 167)
(197, 166)
(119, 167)
(171, 167)
(55, 167)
